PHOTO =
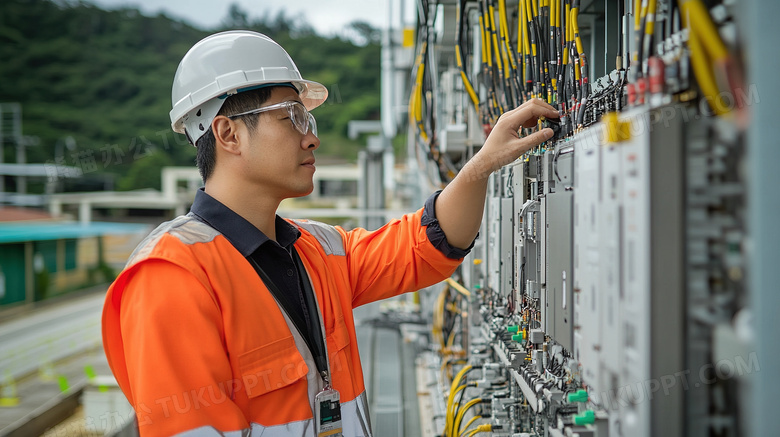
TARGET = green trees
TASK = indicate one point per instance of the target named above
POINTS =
(104, 78)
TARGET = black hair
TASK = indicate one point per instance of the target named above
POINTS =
(206, 146)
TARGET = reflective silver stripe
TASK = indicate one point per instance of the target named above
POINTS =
(186, 228)
(328, 237)
(208, 431)
(354, 422)
(303, 428)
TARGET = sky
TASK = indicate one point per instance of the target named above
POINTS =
(328, 17)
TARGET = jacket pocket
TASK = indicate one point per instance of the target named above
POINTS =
(271, 367)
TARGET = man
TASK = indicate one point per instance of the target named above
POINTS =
(233, 321)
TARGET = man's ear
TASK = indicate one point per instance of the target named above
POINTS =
(227, 134)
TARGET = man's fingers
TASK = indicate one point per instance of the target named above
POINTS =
(536, 138)
(527, 113)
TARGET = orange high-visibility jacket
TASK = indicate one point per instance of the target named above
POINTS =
(198, 343)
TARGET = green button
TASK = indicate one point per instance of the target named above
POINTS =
(586, 418)
(580, 395)
(513, 329)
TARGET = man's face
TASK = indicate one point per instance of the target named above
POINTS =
(278, 158)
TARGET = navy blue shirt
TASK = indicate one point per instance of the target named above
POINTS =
(276, 257)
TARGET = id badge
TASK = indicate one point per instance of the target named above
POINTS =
(327, 413)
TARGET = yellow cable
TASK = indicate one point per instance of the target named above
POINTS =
(637, 14)
(552, 13)
(520, 31)
(495, 40)
(482, 39)
(530, 23)
(522, 40)
(419, 97)
(469, 423)
(488, 43)
(704, 75)
(575, 28)
(505, 32)
(567, 34)
(702, 24)
(650, 22)
(459, 288)
(438, 317)
(637, 24)
(462, 412)
(466, 83)
(481, 428)
(526, 43)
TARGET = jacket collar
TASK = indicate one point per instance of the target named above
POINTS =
(244, 236)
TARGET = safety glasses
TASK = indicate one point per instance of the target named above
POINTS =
(301, 119)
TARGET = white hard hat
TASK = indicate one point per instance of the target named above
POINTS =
(227, 63)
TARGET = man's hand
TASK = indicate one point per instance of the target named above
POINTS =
(504, 143)
(459, 207)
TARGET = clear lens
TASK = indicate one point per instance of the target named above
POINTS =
(302, 119)
(312, 124)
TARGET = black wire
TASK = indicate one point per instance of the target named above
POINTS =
(620, 13)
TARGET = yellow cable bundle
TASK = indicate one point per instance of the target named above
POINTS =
(495, 40)
(704, 40)
(487, 45)
(522, 40)
(451, 398)
(702, 23)
(530, 15)
(704, 75)
(462, 412)
(525, 15)
(575, 28)
(505, 33)
(450, 411)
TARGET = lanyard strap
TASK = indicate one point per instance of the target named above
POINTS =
(320, 356)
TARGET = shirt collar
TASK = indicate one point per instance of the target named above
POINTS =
(244, 236)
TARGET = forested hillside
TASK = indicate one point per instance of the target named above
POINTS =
(104, 79)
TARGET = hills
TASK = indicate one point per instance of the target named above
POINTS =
(103, 78)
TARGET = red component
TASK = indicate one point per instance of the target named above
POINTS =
(657, 79)
(631, 90)
(487, 128)
(641, 87)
